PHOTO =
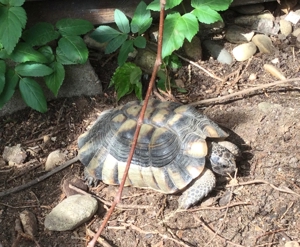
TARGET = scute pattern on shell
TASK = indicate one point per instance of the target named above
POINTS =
(171, 146)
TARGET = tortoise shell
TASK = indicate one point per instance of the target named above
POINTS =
(170, 152)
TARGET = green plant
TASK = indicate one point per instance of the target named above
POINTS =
(180, 27)
(128, 35)
(131, 74)
(25, 55)
(127, 76)
(177, 28)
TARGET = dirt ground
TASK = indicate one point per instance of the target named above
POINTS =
(264, 209)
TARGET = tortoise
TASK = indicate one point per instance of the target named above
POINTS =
(176, 149)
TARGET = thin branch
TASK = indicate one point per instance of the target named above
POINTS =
(200, 67)
(157, 64)
(260, 181)
(39, 179)
(244, 92)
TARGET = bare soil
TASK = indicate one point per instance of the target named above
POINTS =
(257, 213)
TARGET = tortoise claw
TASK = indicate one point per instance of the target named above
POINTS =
(90, 180)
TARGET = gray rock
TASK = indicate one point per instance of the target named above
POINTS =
(267, 107)
(193, 49)
(218, 52)
(244, 51)
(238, 35)
(266, 26)
(53, 159)
(263, 43)
(249, 20)
(285, 27)
(14, 155)
(71, 212)
(145, 59)
(296, 32)
(29, 223)
(250, 9)
(79, 80)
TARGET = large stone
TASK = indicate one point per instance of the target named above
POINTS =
(238, 35)
(193, 49)
(79, 80)
(218, 52)
(71, 212)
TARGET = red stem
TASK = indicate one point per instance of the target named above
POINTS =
(157, 64)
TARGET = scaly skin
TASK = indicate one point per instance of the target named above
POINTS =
(200, 189)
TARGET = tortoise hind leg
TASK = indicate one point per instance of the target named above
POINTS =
(198, 190)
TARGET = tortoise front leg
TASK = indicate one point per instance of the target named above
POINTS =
(198, 190)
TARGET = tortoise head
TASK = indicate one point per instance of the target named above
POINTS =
(221, 159)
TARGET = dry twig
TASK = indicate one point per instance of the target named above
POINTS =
(260, 181)
(243, 92)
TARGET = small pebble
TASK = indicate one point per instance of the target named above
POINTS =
(53, 159)
(46, 138)
(29, 223)
(274, 71)
(264, 43)
(244, 51)
(252, 77)
(292, 244)
(285, 27)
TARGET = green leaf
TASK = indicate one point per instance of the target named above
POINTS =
(3, 53)
(33, 69)
(207, 15)
(2, 75)
(13, 2)
(155, 5)
(11, 79)
(104, 34)
(32, 94)
(140, 42)
(176, 29)
(74, 26)
(138, 91)
(74, 49)
(114, 44)
(55, 80)
(40, 34)
(47, 52)
(213, 4)
(122, 21)
(12, 20)
(173, 61)
(23, 52)
(126, 48)
(126, 79)
(135, 76)
(62, 58)
(142, 19)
